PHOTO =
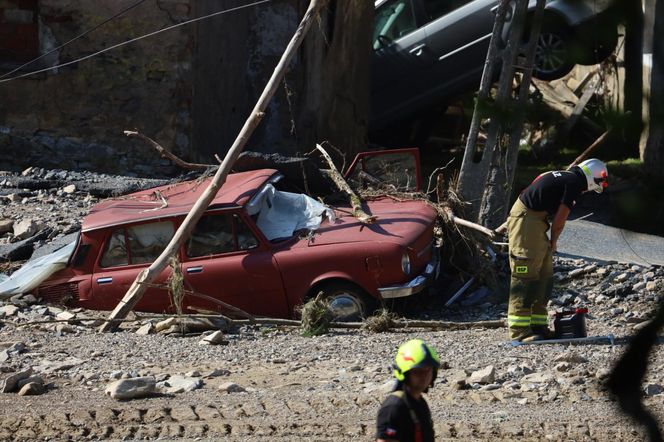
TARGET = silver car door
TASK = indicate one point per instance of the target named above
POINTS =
(459, 38)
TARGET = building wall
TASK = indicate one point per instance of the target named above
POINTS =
(74, 117)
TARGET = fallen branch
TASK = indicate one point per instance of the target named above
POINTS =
(586, 153)
(462, 222)
(355, 201)
(165, 153)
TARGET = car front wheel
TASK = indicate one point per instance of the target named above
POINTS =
(552, 54)
(347, 301)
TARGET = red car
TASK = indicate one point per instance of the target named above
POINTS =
(230, 257)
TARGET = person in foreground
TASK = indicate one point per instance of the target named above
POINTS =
(404, 415)
(545, 203)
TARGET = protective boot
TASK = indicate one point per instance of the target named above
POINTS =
(519, 311)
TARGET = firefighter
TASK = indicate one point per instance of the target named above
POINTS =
(545, 203)
(404, 416)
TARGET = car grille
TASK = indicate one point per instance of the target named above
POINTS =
(59, 293)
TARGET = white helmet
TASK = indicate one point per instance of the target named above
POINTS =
(596, 174)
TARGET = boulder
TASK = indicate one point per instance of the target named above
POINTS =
(485, 376)
(31, 389)
(145, 329)
(133, 388)
(216, 338)
(10, 384)
(231, 387)
(179, 384)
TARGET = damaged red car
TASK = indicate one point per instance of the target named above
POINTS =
(257, 248)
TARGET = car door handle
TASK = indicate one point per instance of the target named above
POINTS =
(106, 280)
(197, 269)
(418, 50)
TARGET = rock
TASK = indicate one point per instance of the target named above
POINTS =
(215, 338)
(4, 356)
(6, 225)
(179, 384)
(65, 316)
(651, 286)
(69, 189)
(485, 376)
(193, 374)
(31, 389)
(617, 311)
(145, 329)
(638, 286)
(537, 378)
(231, 387)
(576, 272)
(133, 388)
(216, 373)
(116, 374)
(641, 325)
(571, 357)
(653, 389)
(590, 268)
(62, 329)
(26, 228)
(563, 367)
(622, 277)
(9, 384)
(8, 310)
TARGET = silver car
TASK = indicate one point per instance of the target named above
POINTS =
(427, 51)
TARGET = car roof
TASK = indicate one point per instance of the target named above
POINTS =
(174, 199)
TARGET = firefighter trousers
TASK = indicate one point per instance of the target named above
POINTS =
(531, 266)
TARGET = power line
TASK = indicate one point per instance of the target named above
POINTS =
(73, 39)
(168, 28)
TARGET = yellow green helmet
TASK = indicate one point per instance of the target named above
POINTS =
(415, 354)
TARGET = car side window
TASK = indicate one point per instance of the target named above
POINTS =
(214, 234)
(245, 237)
(147, 241)
(137, 244)
(393, 20)
(116, 250)
(437, 8)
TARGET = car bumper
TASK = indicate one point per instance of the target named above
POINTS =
(417, 284)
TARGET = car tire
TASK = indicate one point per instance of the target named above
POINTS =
(553, 55)
(347, 301)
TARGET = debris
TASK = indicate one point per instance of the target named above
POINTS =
(9, 384)
(485, 376)
(231, 387)
(215, 338)
(179, 384)
(132, 388)
(31, 389)
(146, 329)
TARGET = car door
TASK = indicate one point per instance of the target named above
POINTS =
(458, 33)
(400, 55)
(127, 251)
(226, 260)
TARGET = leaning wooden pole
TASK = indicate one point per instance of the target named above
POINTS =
(137, 289)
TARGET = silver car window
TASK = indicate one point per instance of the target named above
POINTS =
(393, 20)
(437, 8)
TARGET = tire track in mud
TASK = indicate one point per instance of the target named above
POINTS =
(276, 419)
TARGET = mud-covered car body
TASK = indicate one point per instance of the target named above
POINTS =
(228, 257)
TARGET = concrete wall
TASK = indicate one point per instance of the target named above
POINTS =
(74, 117)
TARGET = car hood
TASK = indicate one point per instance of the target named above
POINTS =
(398, 222)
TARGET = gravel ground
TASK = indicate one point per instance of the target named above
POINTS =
(286, 387)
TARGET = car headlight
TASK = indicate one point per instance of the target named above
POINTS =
(405, 263)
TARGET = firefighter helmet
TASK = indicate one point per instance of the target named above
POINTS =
(415, 354)
(596, 174)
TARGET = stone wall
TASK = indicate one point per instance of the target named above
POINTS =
(74, 117)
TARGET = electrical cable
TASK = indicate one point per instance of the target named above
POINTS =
(168, 28)
(73, 39)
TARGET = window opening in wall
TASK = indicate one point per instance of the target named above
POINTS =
(19, 31)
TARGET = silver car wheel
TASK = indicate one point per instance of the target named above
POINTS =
(346, 307)
(551, 53)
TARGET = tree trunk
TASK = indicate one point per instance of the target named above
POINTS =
(653, 153)
(324, 96)
(633, 86)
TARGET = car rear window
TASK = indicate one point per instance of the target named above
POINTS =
(220, 233)
(137, 244)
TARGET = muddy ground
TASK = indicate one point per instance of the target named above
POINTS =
(290, 387)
